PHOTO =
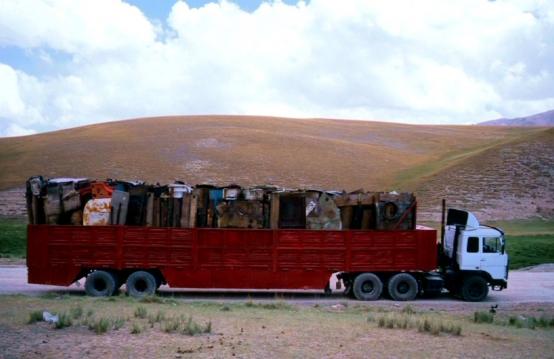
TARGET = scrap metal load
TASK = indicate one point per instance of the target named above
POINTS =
(81, 201)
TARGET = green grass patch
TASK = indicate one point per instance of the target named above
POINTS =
(13, 238)
(525, 251)
(523, 227)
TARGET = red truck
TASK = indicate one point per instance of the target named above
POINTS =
(363, 261)
(366, 248)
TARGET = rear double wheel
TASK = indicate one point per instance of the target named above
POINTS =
(403, 286)
(101, 283)
(367, 286)
(141, 284)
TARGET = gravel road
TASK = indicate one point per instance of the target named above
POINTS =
(523, 287)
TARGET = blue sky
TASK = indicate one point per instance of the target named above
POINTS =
(67, 63)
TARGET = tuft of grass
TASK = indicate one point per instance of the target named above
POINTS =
(185, 325)
(152, 299)
(152, 319)
(423, 324)
(118, 323)
(171, 325)
(531, 322)
(35, 316)
(225, 308)
(270, 306)
(408, 309)
(76, 312)
(64, 321)
(136, 329)
(141, 312)
(483, 317)
(99, 326)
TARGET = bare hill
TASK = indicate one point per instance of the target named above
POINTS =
(510, 181)
(316, 153)
(544, 119)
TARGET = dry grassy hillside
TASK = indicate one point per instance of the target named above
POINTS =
(509, 181)
(331, 154)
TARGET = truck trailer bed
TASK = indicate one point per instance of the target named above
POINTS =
(225, 258)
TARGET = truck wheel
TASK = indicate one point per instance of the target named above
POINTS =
(474, 289)
(100, 284)
(403, 286)
(367, 286)
(140, 284)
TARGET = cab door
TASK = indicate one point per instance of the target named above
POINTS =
(469, 253)
(493, 260)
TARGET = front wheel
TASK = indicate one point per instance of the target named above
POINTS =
(474, 289)
(141, 284)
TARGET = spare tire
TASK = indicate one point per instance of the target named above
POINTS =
(367, 286)
(100, 283)
(474, 289)
(141, 284)
(403, 286)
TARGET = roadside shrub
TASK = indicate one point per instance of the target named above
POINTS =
(141, 312)
(35, 316)
(483, 317)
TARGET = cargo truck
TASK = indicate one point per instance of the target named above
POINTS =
(364, 264)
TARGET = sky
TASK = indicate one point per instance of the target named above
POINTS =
(68, 63)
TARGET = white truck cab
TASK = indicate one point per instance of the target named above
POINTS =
(475, 256)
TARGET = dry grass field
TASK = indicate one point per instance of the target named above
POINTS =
(120, 327)
(315, 153)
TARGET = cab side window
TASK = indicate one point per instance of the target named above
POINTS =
(491, 245)
(473, 244)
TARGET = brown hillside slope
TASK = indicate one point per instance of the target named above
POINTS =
(510, 181)
(316, 153)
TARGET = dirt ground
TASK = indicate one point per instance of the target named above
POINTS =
(254, 330)
(267, 324)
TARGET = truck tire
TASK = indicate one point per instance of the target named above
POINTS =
(403, 286)
(367, 286)
(474, 289)
(100, 283)
(140, 284)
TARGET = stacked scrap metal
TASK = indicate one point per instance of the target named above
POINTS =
(80, 201)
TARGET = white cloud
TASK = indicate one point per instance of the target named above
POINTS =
(452, 61)
(16, 130)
